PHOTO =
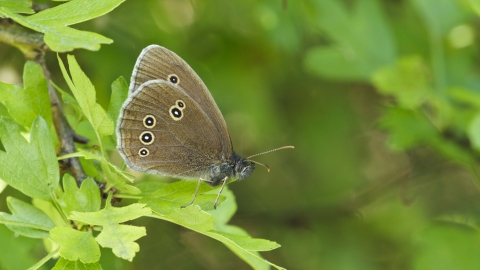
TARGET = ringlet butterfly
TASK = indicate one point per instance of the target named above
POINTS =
(170, 124)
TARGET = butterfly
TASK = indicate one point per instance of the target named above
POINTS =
(170, 125)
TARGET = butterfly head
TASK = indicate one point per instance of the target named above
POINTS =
(243, 168)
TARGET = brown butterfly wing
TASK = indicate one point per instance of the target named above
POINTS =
(156, 62)
(161, 129)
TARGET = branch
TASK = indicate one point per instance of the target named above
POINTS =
(33, 47)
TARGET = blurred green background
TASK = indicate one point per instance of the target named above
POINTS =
(379, 98)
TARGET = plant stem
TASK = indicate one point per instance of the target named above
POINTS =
(32, 45)
(127, 196)
(44, 260)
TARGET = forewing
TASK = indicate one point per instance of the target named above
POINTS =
(176, 136)
(156, 62)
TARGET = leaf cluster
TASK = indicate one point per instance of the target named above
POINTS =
(69, 216)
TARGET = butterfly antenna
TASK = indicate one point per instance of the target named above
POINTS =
(266, 152)
(256, 162)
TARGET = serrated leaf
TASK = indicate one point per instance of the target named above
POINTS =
(84, 199)
(63, 264)
(252, 257)
(120, 238)
(192, 217)
(85, 95)
(76, 245)
(17, 6)
(31, 168)
(119, 94)
(26, 104)
(32, 222)
(112, 215)
(54, 21)
(222, 230)
(178, 194)
(246, 242)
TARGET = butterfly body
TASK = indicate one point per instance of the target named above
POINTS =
(235, 166)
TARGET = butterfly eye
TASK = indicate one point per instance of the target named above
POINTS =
(147, 137)
(143, 152)
(149, 121)
(180, 104)
(173, 78)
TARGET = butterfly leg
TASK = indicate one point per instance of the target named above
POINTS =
(196, 192)
(221, 189)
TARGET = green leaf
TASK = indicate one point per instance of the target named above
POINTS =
(178, 194)
(31, 168)
(223, 214)
(363, 40)
(3, 185)
(244, 241)
(120, 238)
(26, 104)
(407, 81)
(76, 245)
(85, 199)
(222, 232)
(85, 95)
(70, 100)
(191, 217)
(52, 211)
(112, 215)
(17, 6)
(252, 257)
(119, 95)
(26, 220)
(63, 264)
(117, 178)
(148, 187)
(54, 21)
